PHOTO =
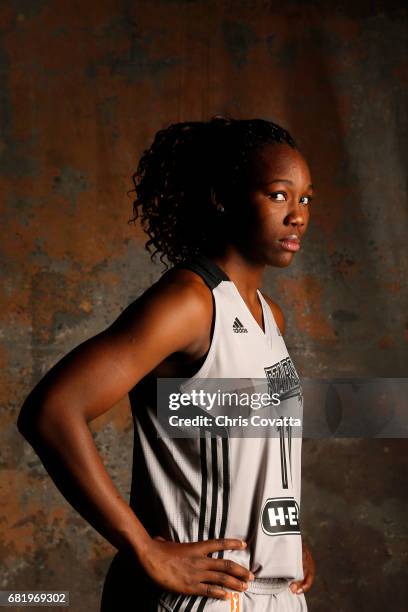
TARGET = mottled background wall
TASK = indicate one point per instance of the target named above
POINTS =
(85, 85)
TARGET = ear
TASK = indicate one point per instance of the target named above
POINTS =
(215, 201)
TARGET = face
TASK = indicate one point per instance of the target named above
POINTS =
(275, 204)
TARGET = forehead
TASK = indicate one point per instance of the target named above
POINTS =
(278, 160)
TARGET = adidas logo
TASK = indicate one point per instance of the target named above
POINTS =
(238, 327)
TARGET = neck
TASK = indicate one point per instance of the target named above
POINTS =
(245, 274)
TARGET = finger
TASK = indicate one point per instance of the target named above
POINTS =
(227, 566)
(159, 538)
(228, 582)
(222, 544)
(296, 585)
(210, 590)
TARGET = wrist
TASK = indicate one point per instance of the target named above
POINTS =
(136, 543)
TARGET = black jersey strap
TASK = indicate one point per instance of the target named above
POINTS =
(209, 271)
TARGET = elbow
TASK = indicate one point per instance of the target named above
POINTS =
(44, 419)
(28, 421)
(34, 417)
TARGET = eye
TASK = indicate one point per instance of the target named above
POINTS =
(283, 193)
(310, 198)
(275, 193)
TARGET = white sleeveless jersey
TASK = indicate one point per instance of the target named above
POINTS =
(191, 489)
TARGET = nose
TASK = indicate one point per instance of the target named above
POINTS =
(296, 217)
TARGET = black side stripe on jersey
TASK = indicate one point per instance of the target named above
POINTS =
(214, 497)
(225, 491)
(191, 599)
(177, 601)
(283, 458)
(290, 449)
(201, 521)
(204, 476)
(214, 500)
(202, 604)
(213, 514)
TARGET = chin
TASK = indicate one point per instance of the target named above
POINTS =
(278, 261)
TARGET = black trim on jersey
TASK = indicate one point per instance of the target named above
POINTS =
(284, 471)
(225, 491)
(214, 493)
(201, 520)
(209, 271)
(202, 604)
(177, 601)
(193, 599)
(203, 501)
(178, 604)
(290, 449)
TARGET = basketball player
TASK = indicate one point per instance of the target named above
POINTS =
(213, 522)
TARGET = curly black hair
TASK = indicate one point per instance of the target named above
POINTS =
(187, 165)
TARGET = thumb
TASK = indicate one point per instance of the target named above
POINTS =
(159, 538)
(294, 586)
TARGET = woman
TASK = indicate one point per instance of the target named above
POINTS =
(221, 200)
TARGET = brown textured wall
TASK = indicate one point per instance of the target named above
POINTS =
(85, 85)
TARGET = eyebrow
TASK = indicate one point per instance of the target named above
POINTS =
(283, 181)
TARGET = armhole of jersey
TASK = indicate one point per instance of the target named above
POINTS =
(273, 327)
(203, 370)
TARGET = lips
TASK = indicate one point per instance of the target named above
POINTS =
(290, 243)
(291, 237)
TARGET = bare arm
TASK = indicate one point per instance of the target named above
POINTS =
(88, 382)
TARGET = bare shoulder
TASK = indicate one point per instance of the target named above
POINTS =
(179, 305)
(277, 313)
(183, 277)
(186, 288)
(180, 285)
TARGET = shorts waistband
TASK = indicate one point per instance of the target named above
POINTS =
(267, 586)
